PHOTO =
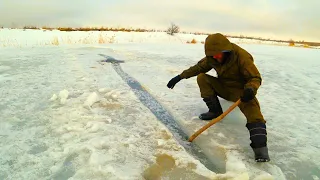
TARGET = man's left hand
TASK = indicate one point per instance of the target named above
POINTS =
(248, 95)
(174, 81)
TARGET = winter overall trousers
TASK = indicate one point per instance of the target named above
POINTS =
(211, 86)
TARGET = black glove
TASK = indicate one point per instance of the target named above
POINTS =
(174, 81)
(248, 95)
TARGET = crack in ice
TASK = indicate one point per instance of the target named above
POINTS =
(162, 114)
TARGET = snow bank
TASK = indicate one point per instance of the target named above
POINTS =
(28, 37)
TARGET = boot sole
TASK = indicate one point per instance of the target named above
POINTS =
(262, 160)
(207, 119)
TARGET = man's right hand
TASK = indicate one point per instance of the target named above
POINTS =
(174, 81)
(248, 95)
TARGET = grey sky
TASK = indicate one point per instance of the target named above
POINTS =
(285, 19)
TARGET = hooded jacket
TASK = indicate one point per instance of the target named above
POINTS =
(238, 70)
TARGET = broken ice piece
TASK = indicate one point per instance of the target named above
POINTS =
(114, 96)
(54, 97)
(92, 98)
(161, 142)
(103, 90)
(63, 96)
(109, 120)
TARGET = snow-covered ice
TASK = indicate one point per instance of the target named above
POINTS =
(66, 115)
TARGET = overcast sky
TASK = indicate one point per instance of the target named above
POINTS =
(284, 19)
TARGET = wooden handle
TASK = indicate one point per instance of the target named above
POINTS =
(212, 122)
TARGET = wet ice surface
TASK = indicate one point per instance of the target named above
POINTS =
(66, 116)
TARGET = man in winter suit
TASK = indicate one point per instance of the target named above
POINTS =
(238, 77)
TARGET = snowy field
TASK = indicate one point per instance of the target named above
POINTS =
(67, 114)
(33, 38)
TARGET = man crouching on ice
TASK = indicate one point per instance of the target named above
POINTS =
(237, 78)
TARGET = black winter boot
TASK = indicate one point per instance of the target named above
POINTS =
(214, 106)
(261, 154)
(258, 137)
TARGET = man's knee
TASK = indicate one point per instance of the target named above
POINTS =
(252, 111)
(202, 78)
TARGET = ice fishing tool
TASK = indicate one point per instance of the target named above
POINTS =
(213, 121)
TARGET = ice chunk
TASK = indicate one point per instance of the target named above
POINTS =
(221, 135)
(54, 97)
(92, 98)
(89, 124)
(109, 120)
(63, 101)
(94, 128)
(161, 142)
(74, 128)
(165, 134)
(64, 94)
(114, 96)
(194, 118)
(110, 93)
(103, 90)
(235, 164)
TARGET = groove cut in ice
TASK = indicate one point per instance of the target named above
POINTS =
(163, 115)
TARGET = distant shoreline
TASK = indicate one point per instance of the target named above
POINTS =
(300, 42)
(304, 44)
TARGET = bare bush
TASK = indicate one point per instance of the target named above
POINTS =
(47, 28)
(291, 42)
(193, 41)
(30, 27)
(173, 29)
